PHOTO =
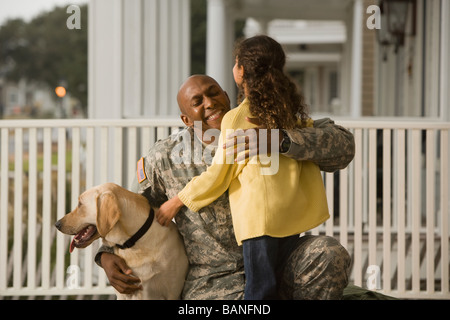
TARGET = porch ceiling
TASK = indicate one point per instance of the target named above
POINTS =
(294, 9)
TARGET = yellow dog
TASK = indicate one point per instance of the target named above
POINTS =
(126, 221)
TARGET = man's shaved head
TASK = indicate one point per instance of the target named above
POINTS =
(192, 81)
(200, 98)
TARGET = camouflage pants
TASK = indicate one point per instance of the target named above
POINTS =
(317, 268)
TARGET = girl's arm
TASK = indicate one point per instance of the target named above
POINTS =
(211, 184)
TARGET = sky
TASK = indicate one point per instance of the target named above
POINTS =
(28, 9)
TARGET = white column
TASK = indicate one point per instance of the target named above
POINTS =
(151, 79)
(105, 56)
(133, 31)
(139, 54)
(356, 62)
(218, 48)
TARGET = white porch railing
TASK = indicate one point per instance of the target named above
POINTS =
(390, 207)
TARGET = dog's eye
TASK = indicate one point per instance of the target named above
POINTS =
(79, 204)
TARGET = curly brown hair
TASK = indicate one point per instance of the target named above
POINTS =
(274, 99)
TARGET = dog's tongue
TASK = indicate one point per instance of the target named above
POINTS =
(84, 234)
(75, 239)
(72, 245)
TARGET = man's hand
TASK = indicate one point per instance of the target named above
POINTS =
(119, 274)
(246, 143)
(168, 211)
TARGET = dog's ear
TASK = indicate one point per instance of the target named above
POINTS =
(108, 212)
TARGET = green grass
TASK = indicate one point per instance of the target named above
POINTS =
(40, 162)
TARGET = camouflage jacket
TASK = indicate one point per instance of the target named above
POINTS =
(216, 262)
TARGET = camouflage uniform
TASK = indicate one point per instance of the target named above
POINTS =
(318, 266)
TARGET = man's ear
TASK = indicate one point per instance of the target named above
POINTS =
(186, 121)
(108, 212)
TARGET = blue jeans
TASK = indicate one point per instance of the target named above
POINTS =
(263, 256)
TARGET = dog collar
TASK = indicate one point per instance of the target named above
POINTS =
(132, 241)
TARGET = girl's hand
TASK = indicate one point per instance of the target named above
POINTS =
(168, 211)
(250, 141)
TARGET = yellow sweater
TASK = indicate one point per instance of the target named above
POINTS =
(289, 202)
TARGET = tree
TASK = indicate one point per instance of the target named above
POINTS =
(45, 50)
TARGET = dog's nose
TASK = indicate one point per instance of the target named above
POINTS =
(58, 224)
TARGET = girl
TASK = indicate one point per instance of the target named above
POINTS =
(267, 210)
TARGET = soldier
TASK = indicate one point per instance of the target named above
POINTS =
(315, 267)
